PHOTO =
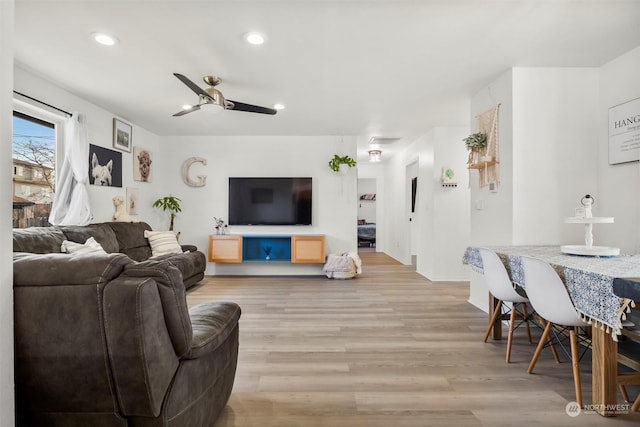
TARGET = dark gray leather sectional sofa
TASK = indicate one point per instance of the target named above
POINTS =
(104, 340)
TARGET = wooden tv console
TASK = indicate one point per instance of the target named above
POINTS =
(267, 248)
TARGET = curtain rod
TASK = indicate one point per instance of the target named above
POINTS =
(43, 103)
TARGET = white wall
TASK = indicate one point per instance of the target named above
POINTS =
(492, 213)
(395, 230)
(6, 268)
(555, 140)
(444, 219)
(442, 214)
(335, 200)
(619, 185)
(99, 123)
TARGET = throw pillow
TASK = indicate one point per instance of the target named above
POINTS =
(90, 246)
(162, 243)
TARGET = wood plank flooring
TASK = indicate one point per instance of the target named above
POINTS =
(389, 348)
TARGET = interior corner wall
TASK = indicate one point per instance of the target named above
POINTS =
(444, 223)
(335, 201)
(619, 185)
(7, 410)
(555, 145)
(99, 124)
(492, 212)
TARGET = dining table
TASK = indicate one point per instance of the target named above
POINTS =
(590, 283)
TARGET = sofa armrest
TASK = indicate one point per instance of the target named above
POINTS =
(142, 357)
(212, 323)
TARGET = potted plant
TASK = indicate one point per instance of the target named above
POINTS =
(171, 204)
(337, 161)
(475, 143)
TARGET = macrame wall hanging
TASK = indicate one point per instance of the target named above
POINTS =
(488, 124)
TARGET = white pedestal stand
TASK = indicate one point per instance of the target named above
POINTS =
(588, 248)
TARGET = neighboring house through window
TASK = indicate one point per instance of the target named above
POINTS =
(34, 161)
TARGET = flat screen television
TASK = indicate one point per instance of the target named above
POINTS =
(270, 201)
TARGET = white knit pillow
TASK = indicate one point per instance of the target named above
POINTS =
(90, 246)
(162, 243)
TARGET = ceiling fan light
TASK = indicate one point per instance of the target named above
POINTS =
(187, 107)
(211, 108)
(278, 107)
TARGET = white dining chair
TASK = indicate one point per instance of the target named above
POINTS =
(549, 297)
(502, 288)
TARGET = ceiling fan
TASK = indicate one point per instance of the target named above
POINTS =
(213, 100)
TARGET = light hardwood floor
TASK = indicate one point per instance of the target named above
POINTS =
(389, 348)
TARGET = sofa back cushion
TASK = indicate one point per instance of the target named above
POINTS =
(101, 232)
(38, 240)
(131, 240)
(60, 354)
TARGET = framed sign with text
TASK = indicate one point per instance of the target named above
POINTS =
(624, 132)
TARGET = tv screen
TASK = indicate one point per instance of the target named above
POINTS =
(269, 201)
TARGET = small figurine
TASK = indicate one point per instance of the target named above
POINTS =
(587, 201)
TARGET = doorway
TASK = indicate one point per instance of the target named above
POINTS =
(367, 218)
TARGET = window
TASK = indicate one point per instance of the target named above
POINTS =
(34, 162)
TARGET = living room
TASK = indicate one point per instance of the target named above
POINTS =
(553, 135)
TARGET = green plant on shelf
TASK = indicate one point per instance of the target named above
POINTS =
(476, 141)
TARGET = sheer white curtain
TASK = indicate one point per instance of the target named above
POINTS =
(71, 201)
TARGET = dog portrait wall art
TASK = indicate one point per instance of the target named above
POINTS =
(105, 167)
(142, 164)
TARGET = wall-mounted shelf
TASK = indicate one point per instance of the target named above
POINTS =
(267, 248)
(483, 165)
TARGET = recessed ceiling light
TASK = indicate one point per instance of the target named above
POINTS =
(254, 38)
(104, 39)
(278, 106)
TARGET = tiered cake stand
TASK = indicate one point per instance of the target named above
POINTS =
(588, 249)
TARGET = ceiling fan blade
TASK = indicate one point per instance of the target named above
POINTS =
(187, 111)
(241, 106)
(191, 85)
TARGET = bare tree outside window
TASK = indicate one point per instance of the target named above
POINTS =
(34, 153)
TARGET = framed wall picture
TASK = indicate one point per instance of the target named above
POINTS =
(132, 200)
(624, 132)
(105, 166)
(142, 164)
(122, 138)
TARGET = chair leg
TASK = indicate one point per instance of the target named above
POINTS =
(623, 391)
(553, 350)
(512, 322)
(494, 317)
(575, 361)
(636, 405)
(543, 340)
(526, 321)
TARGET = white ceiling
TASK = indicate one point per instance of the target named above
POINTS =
(364, 68)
